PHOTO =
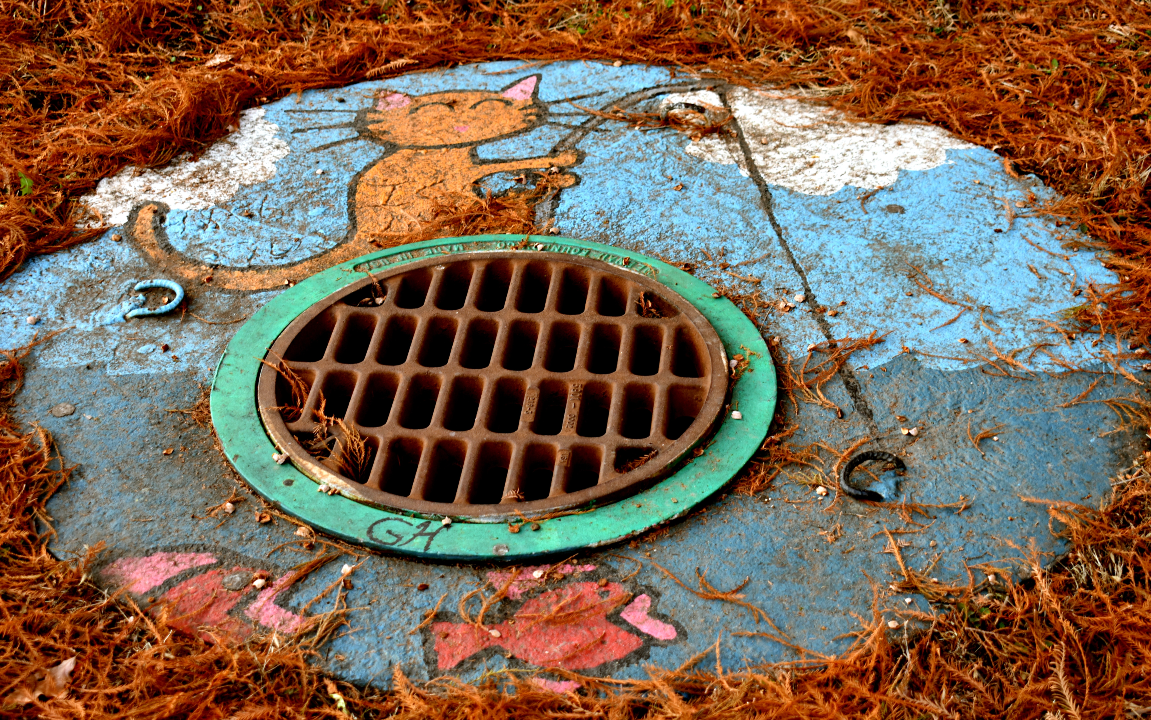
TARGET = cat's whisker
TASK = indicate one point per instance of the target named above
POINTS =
(334, 143)
(575, 127)
(323, 127)
(574, 97)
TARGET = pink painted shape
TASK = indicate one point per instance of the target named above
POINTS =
(265, 611)
(522, 90)
(556, 686)
(462, 128)
(141, 574)
(393, 101)
(204, 602)
(566, 627)
(526, 582)
(636, 613)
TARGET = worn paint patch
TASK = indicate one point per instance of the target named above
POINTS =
(266, 612)
(141, 574)
(220, 603)
(246, 157)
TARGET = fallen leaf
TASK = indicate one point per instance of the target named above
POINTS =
(54, 683)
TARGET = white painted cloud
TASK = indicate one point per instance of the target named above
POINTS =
(245, 157)
(815, 150)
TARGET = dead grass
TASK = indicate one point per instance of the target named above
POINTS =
(1058, 89)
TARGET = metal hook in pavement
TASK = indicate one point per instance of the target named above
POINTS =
(667, 109)
(157, 284)
(861, 493)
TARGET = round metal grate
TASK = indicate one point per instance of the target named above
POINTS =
(494, 384)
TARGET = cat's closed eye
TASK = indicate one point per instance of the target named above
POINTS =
(450, 105)
(501, 101)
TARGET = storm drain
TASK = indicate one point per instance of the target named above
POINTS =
(494, 384)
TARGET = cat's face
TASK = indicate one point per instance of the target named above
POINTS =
(456, 117)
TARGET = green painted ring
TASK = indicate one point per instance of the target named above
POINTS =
(250, 449)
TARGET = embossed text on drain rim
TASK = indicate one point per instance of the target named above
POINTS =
(250, 449)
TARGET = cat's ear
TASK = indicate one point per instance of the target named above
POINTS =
(523, 89)
(392, 101)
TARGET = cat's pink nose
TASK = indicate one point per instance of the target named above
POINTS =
(462, 128)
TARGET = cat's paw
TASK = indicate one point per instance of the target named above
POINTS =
(566, 159)
(562, 180)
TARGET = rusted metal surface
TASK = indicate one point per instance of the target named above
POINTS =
(493, 384)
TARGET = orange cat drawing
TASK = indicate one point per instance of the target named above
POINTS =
(437, 136)
(430, 143)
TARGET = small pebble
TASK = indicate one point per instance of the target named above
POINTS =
(995, 438)
(117, 237)
(539, 246)
(908, 600)
(675, 500)
(932, 544)
(446, 521)
(913, 431)
(733, 364)
(304, 531)
(494, 633)
(319, 171)
(422, 586)
(893, 624)
(62, 410)
(32, 319)
(821, 491)
(346, 569)
(904, 430)
(537, 574)
(236, 581)
(617, 63)
(991, 578)
(229, 508)
(736, 415)
(280, 458)
(535, 526)
(800, 297)
(259, 583)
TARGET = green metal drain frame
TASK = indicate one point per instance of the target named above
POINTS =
(250, 449)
